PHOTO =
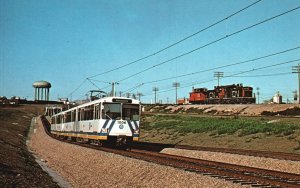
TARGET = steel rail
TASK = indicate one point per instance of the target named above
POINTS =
(267, 154)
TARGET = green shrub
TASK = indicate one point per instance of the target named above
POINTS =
(244, 126)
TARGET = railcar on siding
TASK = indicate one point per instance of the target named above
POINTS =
(110, 120)
(228, 94)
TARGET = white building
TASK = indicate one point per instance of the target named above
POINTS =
(277, 98)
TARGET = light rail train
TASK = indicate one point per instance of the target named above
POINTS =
(110, 120)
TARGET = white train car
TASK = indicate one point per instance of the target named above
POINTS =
(113, 120)
(52, 110)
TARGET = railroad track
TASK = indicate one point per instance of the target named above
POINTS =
(238, 174)
(267, 154)
(225, 115)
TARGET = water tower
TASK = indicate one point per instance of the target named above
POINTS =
(41, 90)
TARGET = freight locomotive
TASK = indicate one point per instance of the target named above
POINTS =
(109, 121)
(227, 94)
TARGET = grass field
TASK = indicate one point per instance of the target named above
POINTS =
(221, 125)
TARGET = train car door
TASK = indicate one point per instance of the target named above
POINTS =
(97, 110)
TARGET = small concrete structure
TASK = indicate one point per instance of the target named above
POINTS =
(277, 98)
(41, 90)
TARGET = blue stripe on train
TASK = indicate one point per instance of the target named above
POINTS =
(111, 125)
(135, 124)
(130, 126)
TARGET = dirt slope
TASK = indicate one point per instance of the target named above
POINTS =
(17, 166)
(236, 109)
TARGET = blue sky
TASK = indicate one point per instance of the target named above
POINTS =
(64, 42)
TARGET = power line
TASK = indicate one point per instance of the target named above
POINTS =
(98, 81)
(224, 66)
(180, 41)
(210, 43)
(133, 88)
(265, 75)
(232, 75)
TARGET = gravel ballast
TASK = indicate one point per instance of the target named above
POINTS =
(84, 167)
(257, 162)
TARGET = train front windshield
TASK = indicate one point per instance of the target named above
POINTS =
(117, 110)
(130, 112)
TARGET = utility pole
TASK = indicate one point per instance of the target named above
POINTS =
(139, 95)
(257, 93)
(155, 89)
(218, 75)
(113, 89)
(296, 69)
(176, 85)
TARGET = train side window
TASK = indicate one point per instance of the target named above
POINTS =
(130, 112)
(73, 115)
(81, 114)
(64, 117)
(58, 119)
(97, 111)
(68, 117)
(88, 112)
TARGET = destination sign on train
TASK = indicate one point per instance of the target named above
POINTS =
(122, 100)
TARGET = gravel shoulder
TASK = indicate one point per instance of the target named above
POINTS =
(257, 162)
(84, 167)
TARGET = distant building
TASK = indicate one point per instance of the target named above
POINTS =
(3, 100)
(295, 94)
(17, 100)
(183, 101)
(64, 100)
(277, 98)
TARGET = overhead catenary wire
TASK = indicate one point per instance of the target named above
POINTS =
(179, 41)
(85, 95)
(93, 83)
(77, 87)
(210, 43)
